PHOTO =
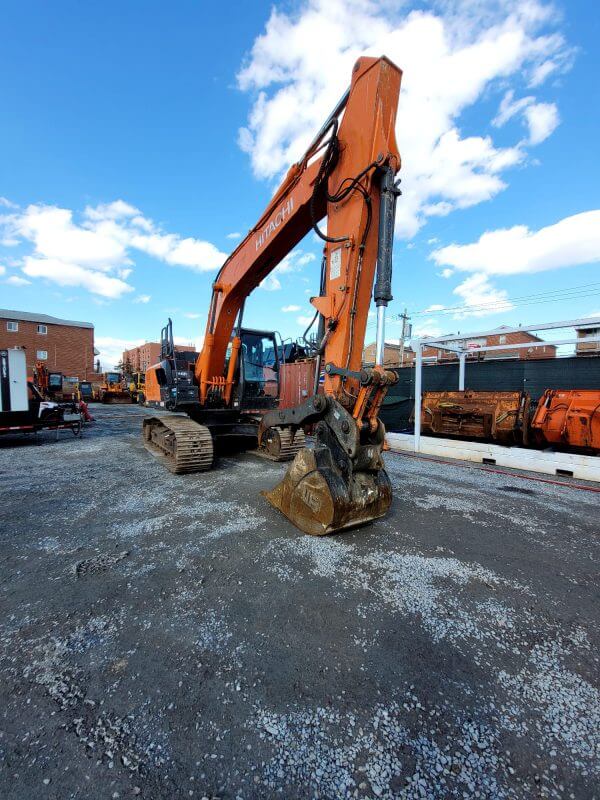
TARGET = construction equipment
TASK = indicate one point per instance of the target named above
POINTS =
(48, 384)
(23, 407)
(113, 389)
(84, 391)
(494, 416)
(348, 175)
(170, 383)
(137, 386)
(568, 418)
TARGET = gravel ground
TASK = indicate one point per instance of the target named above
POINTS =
(170, 637)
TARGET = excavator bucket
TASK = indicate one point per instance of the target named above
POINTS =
(117, 399)
(317, 497)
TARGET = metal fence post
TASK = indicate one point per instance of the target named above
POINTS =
(418, 384)
(462, 357)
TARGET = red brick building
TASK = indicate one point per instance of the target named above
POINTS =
(473, 346)
(138, 359)
(63, 345)
(391, 355)
(583, 347)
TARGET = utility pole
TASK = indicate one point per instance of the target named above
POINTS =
(406, 333)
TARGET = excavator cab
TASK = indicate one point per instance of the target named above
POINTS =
(258, 383)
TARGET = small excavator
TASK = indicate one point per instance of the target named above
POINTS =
(347, 175)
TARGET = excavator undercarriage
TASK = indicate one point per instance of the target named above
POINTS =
(184, 445)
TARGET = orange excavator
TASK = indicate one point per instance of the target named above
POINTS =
(347, 175)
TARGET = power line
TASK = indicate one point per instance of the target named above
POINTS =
(585, 290)
(469, 310)
(508, 305)
(572, 292)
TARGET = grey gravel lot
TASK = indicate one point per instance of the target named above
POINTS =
(171, 637)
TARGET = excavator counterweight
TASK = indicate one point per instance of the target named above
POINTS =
(347, 175)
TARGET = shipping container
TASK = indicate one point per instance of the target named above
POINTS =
(296, 383)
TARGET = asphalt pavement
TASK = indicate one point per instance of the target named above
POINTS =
(171, 636)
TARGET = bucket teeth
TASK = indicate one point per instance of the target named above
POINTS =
(317, 498)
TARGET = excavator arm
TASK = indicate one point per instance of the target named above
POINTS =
(346, 175)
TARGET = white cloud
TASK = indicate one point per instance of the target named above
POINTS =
(305, 259)
(481, 298)
(6, 203)
(434, 307)
(97, 252)
(270, 284)
(428, 326)
(293, 262)
(142, 298)
(66, 274)
(56, 237)
(452, 58)
(304, 320)
(117, 210)
(509, 108)
(290, 309)
(447, 273)
(234, 235)
(15, 280)
(200, 256)
(191, 315)
(542, 119)
(571, 241)
(111, 349)
(2, 269)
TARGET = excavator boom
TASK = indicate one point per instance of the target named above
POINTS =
(340, 176)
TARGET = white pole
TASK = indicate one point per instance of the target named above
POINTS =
(418, 384)
(380, 337)
(462, 357)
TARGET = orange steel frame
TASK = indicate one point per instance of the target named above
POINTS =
(366, 135)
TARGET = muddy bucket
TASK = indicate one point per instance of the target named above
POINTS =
(318, 498)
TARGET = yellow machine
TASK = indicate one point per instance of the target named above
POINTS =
(113, 389)
(137, 387)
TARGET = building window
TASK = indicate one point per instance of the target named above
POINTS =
(43, 329)
(502, 339)
(42, 355)
(12, 327)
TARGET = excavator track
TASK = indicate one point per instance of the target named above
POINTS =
(183, 445)
(281, 444)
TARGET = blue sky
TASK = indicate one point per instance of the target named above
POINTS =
(137, 138)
